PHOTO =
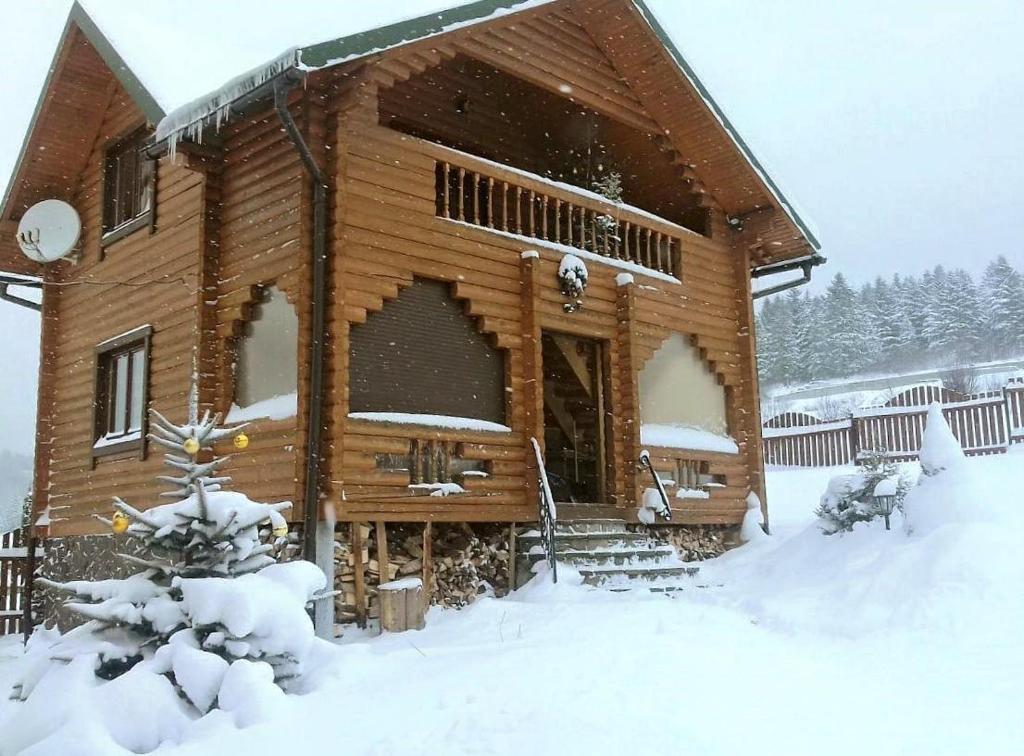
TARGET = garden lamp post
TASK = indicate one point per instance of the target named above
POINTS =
(885, 498)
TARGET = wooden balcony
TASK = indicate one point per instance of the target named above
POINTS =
(489, 195)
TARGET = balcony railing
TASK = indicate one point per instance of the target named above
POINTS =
(496, 197)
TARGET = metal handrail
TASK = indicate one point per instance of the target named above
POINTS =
(666, 508)
(547, 513)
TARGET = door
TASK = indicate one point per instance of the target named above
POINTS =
(575, 417)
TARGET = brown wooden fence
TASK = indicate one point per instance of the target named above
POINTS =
(985, 423)
(15, 565)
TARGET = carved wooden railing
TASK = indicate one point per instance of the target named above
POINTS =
(547, 515)
(666, 508)
(493, 196)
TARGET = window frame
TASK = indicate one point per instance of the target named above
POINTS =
(106, 353)
(111, 232)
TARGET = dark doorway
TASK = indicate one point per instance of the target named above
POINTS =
(575, 435)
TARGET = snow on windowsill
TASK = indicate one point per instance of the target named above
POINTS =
(686, 437)
(433, 421)
(275, 408)
(112, 440)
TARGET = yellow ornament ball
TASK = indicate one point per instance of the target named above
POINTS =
(191, 446)
(280, 531)
(241, 441)
(120, 522)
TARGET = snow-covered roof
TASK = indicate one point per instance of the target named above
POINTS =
(176, 72)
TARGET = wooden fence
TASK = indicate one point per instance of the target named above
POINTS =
(15, 565)
(985, 423)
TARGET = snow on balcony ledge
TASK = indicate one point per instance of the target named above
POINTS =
(431, 421)
(686, 437)
(275, 408)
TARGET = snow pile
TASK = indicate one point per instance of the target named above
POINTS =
(651, 506)
(752, 528)
(953, 567)
(939, 448)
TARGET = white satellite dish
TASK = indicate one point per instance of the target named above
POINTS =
(49, 230)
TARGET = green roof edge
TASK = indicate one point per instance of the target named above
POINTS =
(410, 30)
(691, 75)
(79, 17)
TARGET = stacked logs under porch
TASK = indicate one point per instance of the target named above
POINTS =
(457, 562)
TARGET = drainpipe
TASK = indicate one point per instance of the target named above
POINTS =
(311, 499)
(806, 264)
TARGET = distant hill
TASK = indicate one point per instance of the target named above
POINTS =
(15, 482)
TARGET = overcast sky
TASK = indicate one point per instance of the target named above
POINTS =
(895, 126)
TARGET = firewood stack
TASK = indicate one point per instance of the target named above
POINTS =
(695, 543)
(465, 561)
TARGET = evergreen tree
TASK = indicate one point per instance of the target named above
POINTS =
(1003, 291)
(845, 327)
(210, 593)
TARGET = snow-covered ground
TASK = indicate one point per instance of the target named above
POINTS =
(872, 642)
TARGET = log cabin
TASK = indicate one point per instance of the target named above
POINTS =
(438, 267)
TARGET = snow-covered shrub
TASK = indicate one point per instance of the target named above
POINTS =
(211, 617)
(850, 499)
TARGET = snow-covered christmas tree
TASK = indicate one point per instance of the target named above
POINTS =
(210, 595)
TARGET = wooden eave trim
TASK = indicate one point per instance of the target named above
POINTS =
(468, 19)
(671, 56)
(78, 20)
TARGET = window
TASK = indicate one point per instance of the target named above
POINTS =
(127, 187)
(422, 355)
(122, 371)
(267, 369)
(678, 388)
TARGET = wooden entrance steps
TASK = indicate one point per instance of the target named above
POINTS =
(607, 554)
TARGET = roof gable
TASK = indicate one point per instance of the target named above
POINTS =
(67, 103)
(665, 84)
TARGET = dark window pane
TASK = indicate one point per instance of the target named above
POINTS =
(422, 354)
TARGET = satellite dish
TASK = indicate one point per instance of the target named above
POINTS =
(49, 230)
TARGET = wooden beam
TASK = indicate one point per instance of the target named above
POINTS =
(356, 538)
(428, 562)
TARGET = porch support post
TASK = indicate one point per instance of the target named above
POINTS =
(746, 402)
(533, 376)
(629, 409)
(323, 609)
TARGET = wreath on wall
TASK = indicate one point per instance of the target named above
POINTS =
(572, 279)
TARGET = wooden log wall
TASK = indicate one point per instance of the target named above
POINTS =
(265, 238)
(391, 234)
(239, 218)
(148, 277)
